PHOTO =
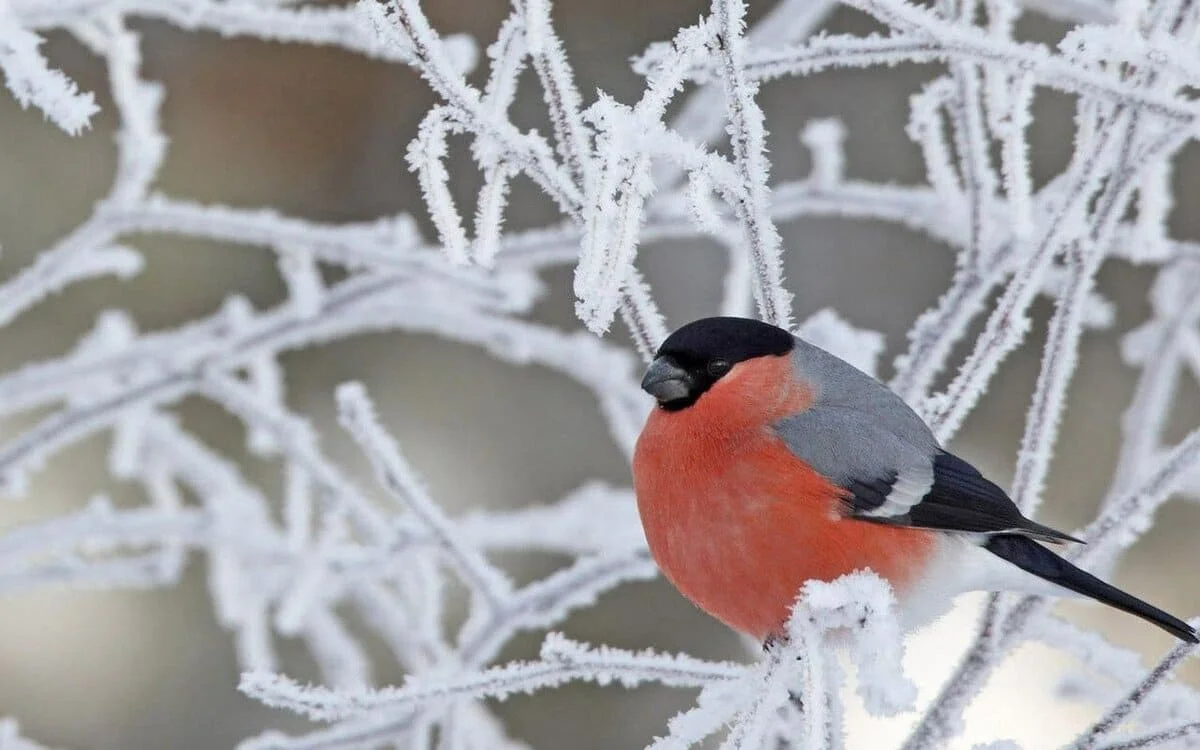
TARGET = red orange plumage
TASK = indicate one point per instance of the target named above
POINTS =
(735, 521)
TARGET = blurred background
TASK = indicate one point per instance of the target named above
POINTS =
(321, 133)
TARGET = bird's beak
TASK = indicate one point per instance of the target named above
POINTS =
(667, 381)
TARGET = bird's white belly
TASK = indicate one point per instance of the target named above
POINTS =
(960, 565)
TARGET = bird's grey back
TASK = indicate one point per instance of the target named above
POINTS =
(855, 425)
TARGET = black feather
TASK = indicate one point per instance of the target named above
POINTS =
(962, 499)
(870, 494)
(1033, 558)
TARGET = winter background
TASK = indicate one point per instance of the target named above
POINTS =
(218, 215)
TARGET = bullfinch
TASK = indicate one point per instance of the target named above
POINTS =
(769, 462)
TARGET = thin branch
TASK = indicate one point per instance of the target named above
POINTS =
(747, 136)
(357, 415)
(1131, 702)
(1158, 738)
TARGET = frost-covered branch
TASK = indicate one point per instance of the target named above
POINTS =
(1159, 738)
(747, 134)
(11, 739)
(1135, 698)
(562, 661)
(32, 81)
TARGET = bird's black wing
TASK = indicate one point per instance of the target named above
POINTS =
(958, 499)
(901, 477)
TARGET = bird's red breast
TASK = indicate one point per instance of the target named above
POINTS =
(736, 521)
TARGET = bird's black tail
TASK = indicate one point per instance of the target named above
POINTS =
(1033, 558)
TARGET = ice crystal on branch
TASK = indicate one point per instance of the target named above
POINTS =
(623, 175)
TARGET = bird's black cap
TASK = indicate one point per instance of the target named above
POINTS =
(699, 354)
(730, 339)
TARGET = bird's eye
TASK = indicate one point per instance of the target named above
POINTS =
(718, 367)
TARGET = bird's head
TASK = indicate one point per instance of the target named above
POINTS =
(701, 353)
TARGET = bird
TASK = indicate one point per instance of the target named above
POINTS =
(768, 462)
